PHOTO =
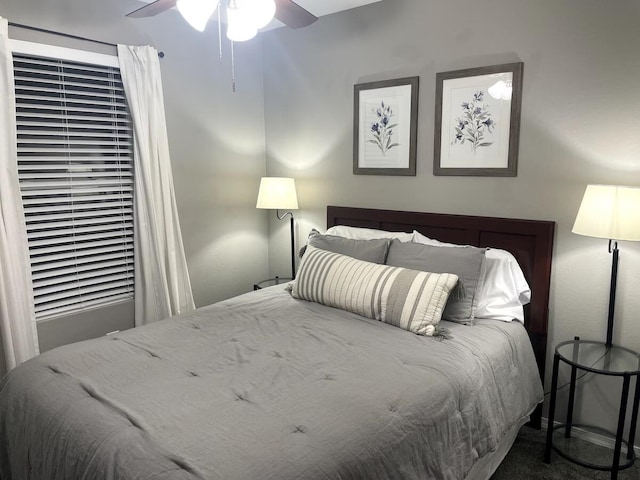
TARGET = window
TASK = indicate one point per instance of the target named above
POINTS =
(75, 166)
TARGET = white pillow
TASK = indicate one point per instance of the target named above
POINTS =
(359, 233)
(504, 290)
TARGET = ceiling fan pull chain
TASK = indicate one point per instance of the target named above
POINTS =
(219, 35)
(233, 70)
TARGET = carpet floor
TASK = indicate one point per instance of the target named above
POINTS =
(526, 461)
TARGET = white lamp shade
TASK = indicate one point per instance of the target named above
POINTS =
(609, 211)
(262, 12)
(240, 32)
(197, 12)
(240, 26)
(277, 193)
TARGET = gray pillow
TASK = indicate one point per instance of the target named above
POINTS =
(465, 262)
(374, 251)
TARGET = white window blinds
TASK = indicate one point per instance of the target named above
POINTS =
(76, 176)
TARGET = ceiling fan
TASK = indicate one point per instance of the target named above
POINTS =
(287, 11)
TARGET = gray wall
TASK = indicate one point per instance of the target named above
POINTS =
(579, 126)
(216, 141)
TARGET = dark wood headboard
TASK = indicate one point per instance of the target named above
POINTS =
(530, 242)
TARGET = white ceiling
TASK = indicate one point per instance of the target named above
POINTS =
(326, 7)
(323, 7)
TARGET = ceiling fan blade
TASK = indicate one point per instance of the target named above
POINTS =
(293, 15)
(152, 9)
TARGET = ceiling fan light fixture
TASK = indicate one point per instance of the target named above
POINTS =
(262, 12)
(197, 12)
(240, 24)
(241, 33)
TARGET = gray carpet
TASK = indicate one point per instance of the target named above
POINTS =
(526, 461)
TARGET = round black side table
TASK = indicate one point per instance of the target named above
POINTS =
(601, 359)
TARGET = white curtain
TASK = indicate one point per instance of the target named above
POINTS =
(162, 286)
(17, 314)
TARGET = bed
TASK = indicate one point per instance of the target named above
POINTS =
(267, 386)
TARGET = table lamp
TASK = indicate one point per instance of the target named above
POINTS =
(279, 193)
(611, 212)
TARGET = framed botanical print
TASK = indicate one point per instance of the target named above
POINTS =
(477, 122)
(385, 126)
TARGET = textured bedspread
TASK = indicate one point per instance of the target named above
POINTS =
(265, 387)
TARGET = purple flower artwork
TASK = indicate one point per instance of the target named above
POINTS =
(474, 123)
(381, 131)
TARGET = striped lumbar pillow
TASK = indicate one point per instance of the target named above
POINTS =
(409, 299)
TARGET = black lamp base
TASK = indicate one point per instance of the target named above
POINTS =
(613, 249)
(293, 246)
(293, 250)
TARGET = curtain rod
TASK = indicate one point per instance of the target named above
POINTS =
(67, 35)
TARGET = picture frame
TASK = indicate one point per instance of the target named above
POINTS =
(477, 121)
(385, 127)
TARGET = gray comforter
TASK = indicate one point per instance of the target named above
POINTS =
(267, 387)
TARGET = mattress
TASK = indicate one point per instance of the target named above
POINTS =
(264, 386)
